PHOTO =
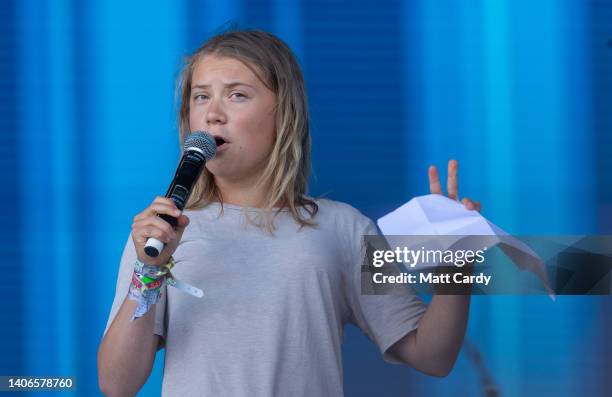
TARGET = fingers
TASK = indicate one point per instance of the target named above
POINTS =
(183, 222)
(161, 205)
(434, 180)
(153, 226)
(141, 235)
(471, 205)
(147, 224)
(452, 184)
(165, 200)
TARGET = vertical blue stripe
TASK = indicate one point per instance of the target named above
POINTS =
(500, 151)
(219, 14)
(11, 190)
(202, 19)
(450, 50)
(538, 115)
(503, 331)
(35, 142)
(288, 24)
(576, 117)
(259, 14)
(578, 127)
(352, 56)
(89, 317)
(63, 149)
(600, 44)
(416, 159)
(473, 167)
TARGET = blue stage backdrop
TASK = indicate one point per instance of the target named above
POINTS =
(518, 91)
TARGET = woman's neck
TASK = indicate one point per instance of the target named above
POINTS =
(250, 195)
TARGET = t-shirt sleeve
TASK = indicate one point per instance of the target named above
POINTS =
(123, 284)
(383, 318)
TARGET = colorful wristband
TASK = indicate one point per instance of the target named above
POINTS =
(147, 280)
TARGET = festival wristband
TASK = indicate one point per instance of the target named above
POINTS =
(156, 272)
(146, 285)
(145, 300)
(153, 271)
(187, 288)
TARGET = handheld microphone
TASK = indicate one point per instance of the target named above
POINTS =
(199, 147)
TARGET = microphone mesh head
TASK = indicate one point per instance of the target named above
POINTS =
(201, 140)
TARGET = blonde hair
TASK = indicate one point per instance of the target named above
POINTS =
(288, 167)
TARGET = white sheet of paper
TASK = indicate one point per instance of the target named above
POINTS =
(435, 214)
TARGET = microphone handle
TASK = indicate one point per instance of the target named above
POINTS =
(187, 173)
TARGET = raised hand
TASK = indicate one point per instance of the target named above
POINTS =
(452, 185)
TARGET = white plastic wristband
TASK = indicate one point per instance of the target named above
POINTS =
(187, 288)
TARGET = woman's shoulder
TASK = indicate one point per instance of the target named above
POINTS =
(341, 214)
(340, 207)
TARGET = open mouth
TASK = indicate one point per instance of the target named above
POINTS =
(220, 141)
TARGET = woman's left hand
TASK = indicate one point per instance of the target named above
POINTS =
(452, 185)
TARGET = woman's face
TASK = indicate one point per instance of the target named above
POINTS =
(230, 102)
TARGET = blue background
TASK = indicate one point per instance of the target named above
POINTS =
(519, 92)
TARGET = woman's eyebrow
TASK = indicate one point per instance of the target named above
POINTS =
(228, 85)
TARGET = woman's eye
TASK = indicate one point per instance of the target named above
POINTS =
(200, 97)
(237, 95)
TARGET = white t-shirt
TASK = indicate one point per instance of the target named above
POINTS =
(272, 317)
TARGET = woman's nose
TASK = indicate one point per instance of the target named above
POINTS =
(215, 113)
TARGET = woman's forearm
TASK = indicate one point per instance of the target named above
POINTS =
(441, 331)
(127, 352)
(433, 348)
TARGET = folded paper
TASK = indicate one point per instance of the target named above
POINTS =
(426, 217)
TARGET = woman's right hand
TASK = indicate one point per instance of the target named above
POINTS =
(148, 224)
